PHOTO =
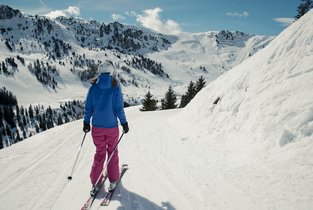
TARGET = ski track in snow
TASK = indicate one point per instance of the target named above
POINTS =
(38, 169)
(250, 150)
(165, 170)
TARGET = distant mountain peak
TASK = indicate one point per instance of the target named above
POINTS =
(54, 50)
(7, 12)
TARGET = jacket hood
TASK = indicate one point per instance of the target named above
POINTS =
(104, 81)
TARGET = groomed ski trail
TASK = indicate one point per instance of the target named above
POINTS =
(166, 170)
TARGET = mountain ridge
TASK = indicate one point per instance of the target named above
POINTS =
(144, 59)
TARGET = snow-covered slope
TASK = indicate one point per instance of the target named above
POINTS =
(271, 91)
(208, 54)
(144, 59)
(259, 131)
(252, 149)
(33, 173)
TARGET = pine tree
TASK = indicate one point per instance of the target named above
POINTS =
(9, 116)
(66, 118)
(50, 122)
(1, 117)
(1, 141)
(22, 110)
(149, 104)
(43, 122)
(189, 95)
(191, 90)
(1, 122)
(12, 118)
(200, 84)
(49, 111)
(37, 128)
(303, 8)
(18, 137)
(17, 111)
(24, 134)
(18, 116)
(24, 121)
(183, 101)
(60, 120)
(169, 102)
(36, 108)
(8, 131)
(31, 111)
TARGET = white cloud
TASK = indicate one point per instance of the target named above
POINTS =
(284, 21)
(236, 14)
(75, 11)
(70, 11)
(131, 13)
(151, 19)
(118, 17)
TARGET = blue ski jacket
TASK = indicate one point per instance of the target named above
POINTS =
(105, 103)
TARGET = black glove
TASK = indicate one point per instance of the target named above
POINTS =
(125, 127)
(86, 127)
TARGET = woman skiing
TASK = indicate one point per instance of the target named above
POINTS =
(105, 104)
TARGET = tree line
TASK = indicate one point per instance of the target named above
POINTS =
(18, 122)
(170, 99)
(142, 62)
(45, 73)
(8, 67)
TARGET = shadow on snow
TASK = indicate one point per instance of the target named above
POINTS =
(130, 200)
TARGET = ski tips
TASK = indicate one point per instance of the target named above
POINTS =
(69, 178)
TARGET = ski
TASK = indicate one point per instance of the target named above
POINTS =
(107, 199)
(91, 199)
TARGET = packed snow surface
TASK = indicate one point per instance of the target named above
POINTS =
(169, 168)
(251, 149)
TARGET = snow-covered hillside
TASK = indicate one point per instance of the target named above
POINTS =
(271, 91)
(255, 125)
(144, 59)
(244, 142)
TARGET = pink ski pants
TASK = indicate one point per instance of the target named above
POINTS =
(105, 140)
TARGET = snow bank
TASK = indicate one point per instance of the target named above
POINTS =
(255, 123)
(267, 97)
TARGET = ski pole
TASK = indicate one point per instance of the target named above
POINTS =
(79, 149)
(104, 168)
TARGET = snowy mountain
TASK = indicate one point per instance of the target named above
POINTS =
(58, 56)
(255, 126)
(244, 142)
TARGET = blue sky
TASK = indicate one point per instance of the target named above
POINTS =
(263, 17)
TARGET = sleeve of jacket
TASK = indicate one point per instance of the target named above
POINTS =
(119, 105)
(88, 107)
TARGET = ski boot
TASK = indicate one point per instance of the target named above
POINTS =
(94, 190)
(112, 186)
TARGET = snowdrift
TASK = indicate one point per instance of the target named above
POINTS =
(268, 97)
(259, 117)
